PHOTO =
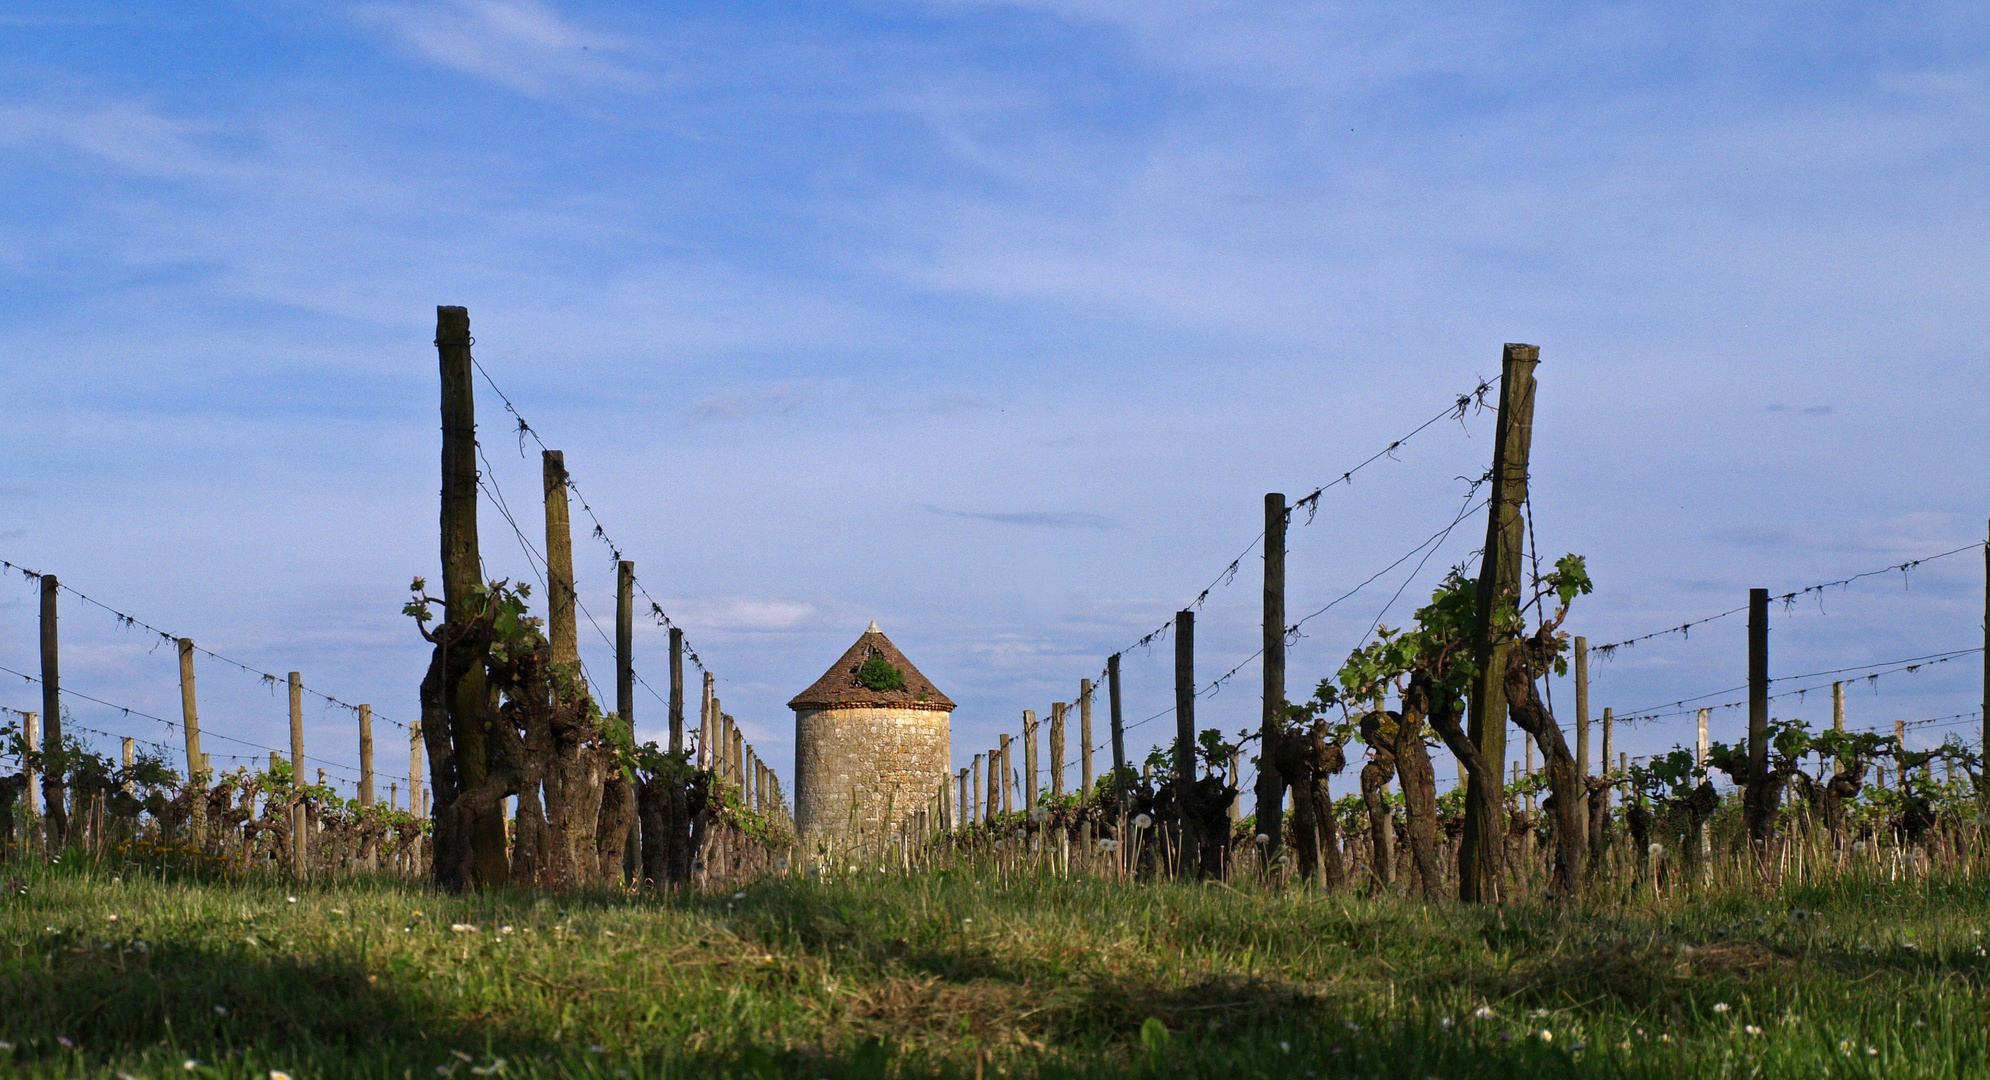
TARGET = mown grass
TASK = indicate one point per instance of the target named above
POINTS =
(955, 974)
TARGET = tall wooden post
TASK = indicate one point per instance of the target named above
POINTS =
(300, 839)
(1609, 745)
(676, 690)
(1900, 740)
(1003, 776)
(1837, 715)
(1057, 749)
(1085, 739)
(562, 631)
(1029, 759)
(31, 731)
(1499, 585)
(625, 645)
(618, 797)
(1191, 853)
(1583, 711)
(1117, 722)
(963, 806)
(1270, 785)
(53, 783)
(365, 755)
(190, 727)
(1758, 715)
(414, 767)
(705, 725)
(975, 805)
(467, 701)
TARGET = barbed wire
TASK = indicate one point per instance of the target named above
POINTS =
(129, 621)
(1788, 600)
(1889, 667)
(329, 765)
(600, 532)
(1456, 410)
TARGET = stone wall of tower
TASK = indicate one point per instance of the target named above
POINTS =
(854, 762)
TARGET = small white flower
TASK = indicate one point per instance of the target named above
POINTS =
(1751, 1029)
(1039, 815)
(1872, 1051)
(1858, 847)
(221, 1010)
(1142, 821)
(1547, 1036)
(1447, 1023)
(1722, 1006)
(189, 1064)
(1285, 1046)
(278, 1074)
(1483, 1012)
(596, 1048)
(463, 928)
(504, 930)
(1539, 1014)
(739, 896)
(1656, 849)
(1263, 839)
(113, 918)
(293, 900)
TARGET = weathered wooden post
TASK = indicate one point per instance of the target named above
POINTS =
(54, 782)
(979, 812)
(365, 755)
(1609, 741)
(1085, 746)
(1190, 861)
(1582, 729)
(190, 727)
(1758, 814)
(618, 797)
(414, 767)
(1056, 750)
(301, 839)
(1117, 723)
(1029, 759)
(31, 733)
(1499, 586)
(676, 690)
(466, 700)
(1900, 740)
(1003, 776)
(1837, 716)
(705, 725)
(1700, 740)
(1271, 786)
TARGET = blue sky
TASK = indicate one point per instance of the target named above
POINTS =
(993, 323)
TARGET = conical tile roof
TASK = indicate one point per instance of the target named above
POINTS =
(839, 687)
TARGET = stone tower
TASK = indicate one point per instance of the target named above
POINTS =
(871, 738)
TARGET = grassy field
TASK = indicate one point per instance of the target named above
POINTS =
(108, 973)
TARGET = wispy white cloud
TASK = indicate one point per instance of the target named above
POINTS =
(524, 44)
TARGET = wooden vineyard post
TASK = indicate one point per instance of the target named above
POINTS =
(562, 631)
(1609, 740)
(1085, 744)
(1270, 785)
(190, 726)
(1900, 767)
(463, 840)
(1499, 585)
(31, 733)
(365, 756)
(977, 804)
(1700, 741)
(1003, 783)
(300, 840)
(1190, 859)
(414, 768)
(55, 813)
(1029, 760)
(1056, 750)
(1757, 814)
(618, 796)
(964, 806)
(676, 690)
(705, 725)
(1582, 728)
(1837, 716)
(1114, 718)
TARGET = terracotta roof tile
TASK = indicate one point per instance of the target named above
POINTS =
(839, 686)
